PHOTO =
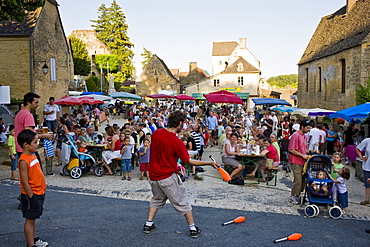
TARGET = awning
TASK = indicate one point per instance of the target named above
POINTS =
(270, 101)
(243, 95)
(198, 96)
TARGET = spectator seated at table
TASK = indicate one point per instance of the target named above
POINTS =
(229, 151)
(259, 142)
(84, 137)
(271, 161)
(113, 148)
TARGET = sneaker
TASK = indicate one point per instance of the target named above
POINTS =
(195, 233)
(51, 174)
(293, 200)
(40, 242)
(148, 229)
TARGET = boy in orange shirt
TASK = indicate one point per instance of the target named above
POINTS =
(32, 184)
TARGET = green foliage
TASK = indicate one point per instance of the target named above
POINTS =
(117, 85)
(96, 80)
(146, 55)
(91, 86)
(363, 93)
(16, 10)
(105, 61)
(81, 60)
(282, 81)
(111, 28)
(16, 101)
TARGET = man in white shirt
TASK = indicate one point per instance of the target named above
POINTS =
(365, 145)
(275, 120)
(314, 139)
(51, 112)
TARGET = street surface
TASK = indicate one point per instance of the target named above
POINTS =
(106, 211)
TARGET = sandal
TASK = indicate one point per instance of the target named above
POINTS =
(108, 173)
(129, 179)
(251, 175)
(123, 178)
(365, 202)
(17, 179)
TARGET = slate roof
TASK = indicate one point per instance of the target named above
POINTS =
(155, 59)
(339, 31)
(233, 68)
(223, 48)
(25, 28)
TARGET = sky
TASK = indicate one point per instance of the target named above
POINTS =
(180, 32)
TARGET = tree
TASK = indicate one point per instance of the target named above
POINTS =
(282, 81)
(363, 93)
(81, 60)
(105, 61)
(111, 28)
(91, 86)
(17, 10)
(146, 55)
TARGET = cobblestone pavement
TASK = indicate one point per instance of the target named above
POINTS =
(211, 192)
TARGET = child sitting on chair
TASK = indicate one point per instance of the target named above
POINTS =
(317, 186)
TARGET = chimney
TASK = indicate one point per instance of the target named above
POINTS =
(192, 65)
(243, 42)
(350, 4)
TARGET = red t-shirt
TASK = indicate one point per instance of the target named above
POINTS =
(23, 119)
(165, 150)
(297, 142)
(272, 154)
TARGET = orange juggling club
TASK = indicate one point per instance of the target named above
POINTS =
(240, 219)
(222, 172)
(294, 236)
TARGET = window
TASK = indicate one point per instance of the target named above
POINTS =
(240, 81)
(240, 67)
(306, 79)
(343, 75)
(216, 82)
(53, 70)
(319, 88)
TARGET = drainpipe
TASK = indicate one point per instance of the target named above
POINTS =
(31, 64)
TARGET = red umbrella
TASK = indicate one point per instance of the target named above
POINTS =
(159, 96)
(184, 97)
(223, 96)
(68, 100)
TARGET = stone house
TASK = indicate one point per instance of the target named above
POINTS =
(234, 69)
(157, 78)
(27, 47)
(336, 59)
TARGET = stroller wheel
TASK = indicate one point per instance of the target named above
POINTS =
(317, 209)
(99, 170)
(76, 172)
(65, 171)
(335, 212)
(310, 211)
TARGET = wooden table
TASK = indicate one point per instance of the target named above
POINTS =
(96, 151)
(252, 158)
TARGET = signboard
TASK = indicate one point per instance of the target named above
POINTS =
(4, 94)
(231, 89)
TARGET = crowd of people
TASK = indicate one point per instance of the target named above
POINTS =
(234, 129)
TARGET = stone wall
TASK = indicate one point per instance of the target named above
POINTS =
(93, 45)
(156, 77)
(49, 41)
(15, 65)
(331, 96)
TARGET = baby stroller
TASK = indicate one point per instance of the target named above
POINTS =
(75, 163)
(323, 194)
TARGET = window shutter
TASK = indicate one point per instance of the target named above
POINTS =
(53, 70)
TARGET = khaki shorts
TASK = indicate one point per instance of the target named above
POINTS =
(173, 189)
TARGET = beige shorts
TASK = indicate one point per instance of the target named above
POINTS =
(172, 189)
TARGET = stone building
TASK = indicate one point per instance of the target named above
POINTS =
(27, 47)
(234, 69)
(157, 78)
(336, 59)
(94, 45)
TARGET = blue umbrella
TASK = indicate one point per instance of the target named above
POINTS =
(125, 95)
(285, 109)
(356, 112)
